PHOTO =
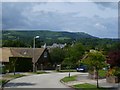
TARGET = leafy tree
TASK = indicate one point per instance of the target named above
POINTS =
(111, 47)
(13, 43)
(74, 54)
(37, 43)
(95, 59)
(114, 58)
(57, 55)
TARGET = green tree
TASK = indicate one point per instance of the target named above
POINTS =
(74, 54)
(13, 43)
(96, 60)
(57, 55)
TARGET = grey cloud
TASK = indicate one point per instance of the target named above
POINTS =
(104, 5)
(0, 16)
(22, 17)
(12, 16)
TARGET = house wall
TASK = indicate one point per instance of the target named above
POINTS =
(44, 61)
(21, 64)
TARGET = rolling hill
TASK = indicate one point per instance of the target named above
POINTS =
(25, 39)
(45, 36)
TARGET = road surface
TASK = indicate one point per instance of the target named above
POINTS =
(51, 80)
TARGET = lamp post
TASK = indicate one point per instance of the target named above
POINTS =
(34, 66)
(69, 63)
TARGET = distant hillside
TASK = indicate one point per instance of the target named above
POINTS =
(25, 39)
(45, 36)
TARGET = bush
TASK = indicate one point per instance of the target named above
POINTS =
(117, 71)
(110, 72)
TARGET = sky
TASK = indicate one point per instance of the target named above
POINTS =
(95, 18)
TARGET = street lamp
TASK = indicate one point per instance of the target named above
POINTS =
(34, 66)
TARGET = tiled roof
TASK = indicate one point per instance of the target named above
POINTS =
(5, 53)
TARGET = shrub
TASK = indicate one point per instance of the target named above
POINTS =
(115, 71)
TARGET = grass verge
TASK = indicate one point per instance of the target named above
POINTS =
(41, 72)
(68, 79)
(2, 81)
(8, 77)
(87, 86)
(71, 70)
(13, 76)
(102, 73)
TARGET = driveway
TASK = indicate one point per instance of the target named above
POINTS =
(51, 80)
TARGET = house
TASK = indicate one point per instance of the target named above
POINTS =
(55, 45)
(38, 57)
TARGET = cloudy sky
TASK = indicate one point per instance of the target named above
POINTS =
(96, 18)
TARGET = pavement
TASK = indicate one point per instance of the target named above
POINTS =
(83, 78)
(52, 80)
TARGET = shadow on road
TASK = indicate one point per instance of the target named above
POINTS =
(18, 84)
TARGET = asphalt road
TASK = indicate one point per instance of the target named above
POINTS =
(51, 80)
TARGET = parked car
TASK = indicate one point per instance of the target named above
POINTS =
(82, 68)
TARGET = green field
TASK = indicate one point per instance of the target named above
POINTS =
(63, 38)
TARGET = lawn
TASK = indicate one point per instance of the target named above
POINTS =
(102, 73)
(71, 70)
(87, 86)
(2, 82)
(40, 72)
(68, 79)
(13, 76)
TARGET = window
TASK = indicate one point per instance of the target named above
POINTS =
(45, 54)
